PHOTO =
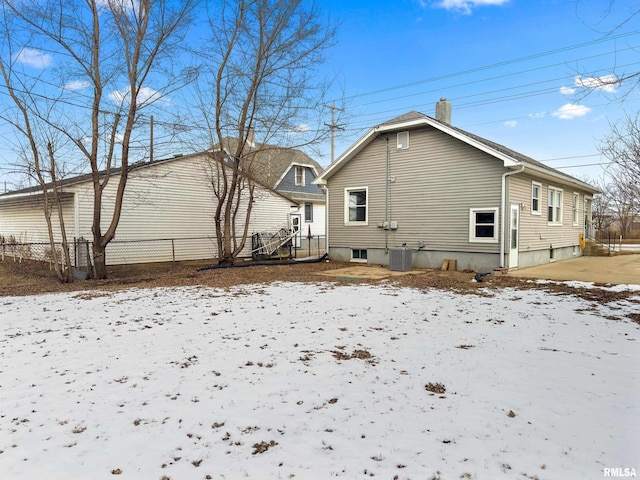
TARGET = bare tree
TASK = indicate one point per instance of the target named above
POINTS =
(624, 203)
(622, 148)
(613, 16)
(264, 83)
(603, 216)
(112, 48)
(44, 170)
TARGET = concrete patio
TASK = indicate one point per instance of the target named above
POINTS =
(621, 269)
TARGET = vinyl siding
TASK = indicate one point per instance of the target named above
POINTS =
(317, 227)
(536, 233)
(288, 182)
(433, 185)
(170, 200)
(24, 220)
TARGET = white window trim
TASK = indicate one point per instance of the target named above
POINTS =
(306, 220)
(346, 207)
(359, 260)
(539, 211)
(575, 212)
(472, 225)
(399, 145)
(557, 223)
(295, 176)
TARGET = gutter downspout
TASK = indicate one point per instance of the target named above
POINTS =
(503, 214)
(326, 218)
(386, 205)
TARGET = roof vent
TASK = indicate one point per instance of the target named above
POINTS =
(443, 111)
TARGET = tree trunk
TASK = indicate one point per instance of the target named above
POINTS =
(99, 261)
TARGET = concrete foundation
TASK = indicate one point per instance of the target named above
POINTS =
(542, 257)
(478, 262)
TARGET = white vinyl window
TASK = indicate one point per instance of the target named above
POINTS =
(308, 212)
(554, 206)
(358, 255)
(356, 211)
(536, 189)
(575, 211)
(403, 140)
(299, 176)
(483, 225)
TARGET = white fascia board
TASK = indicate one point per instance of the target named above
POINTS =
(367, 137)
(284, 174)
(22, 195)
(14, 196)
(360, 144)
(295, 164)
(346, 156)
(26, 197)
(507, 160)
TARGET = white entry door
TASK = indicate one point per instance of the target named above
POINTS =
(514, 241)
(295, 228)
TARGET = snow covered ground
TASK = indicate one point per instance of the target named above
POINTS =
(317, 381)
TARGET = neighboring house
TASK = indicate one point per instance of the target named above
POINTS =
(448, 194)
(292, 173)
(168, 212)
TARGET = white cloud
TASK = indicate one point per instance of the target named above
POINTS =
(606, 83)
(146, 95)
(119, 137)
(119, 5)
(511, 123)
(302, 128)
(76, 85)
(537, 115)
(33, 58)
(567, 90)
(569, 111)
(466, 6)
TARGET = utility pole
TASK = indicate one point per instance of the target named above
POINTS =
(333, 126)
(151, 140)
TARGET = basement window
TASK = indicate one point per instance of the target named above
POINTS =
(359, 255)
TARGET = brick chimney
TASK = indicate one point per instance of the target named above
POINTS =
(443, 111)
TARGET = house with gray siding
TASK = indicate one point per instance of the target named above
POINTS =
(444, 193)
(167, 214)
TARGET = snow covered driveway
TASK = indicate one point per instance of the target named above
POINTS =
(317, 381)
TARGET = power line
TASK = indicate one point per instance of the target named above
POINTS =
(496, 65)
(499, 77)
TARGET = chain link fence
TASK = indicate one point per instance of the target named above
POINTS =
(79, 253)
(130, 252)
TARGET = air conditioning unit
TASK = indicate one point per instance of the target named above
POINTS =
(400, 259)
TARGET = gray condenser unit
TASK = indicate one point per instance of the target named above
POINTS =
(400, 259)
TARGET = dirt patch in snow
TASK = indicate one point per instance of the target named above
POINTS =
(30, 278)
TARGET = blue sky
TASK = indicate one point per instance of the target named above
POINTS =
(511, 69)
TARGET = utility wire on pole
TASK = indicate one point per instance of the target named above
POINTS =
(151, 140)
(333, 126)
